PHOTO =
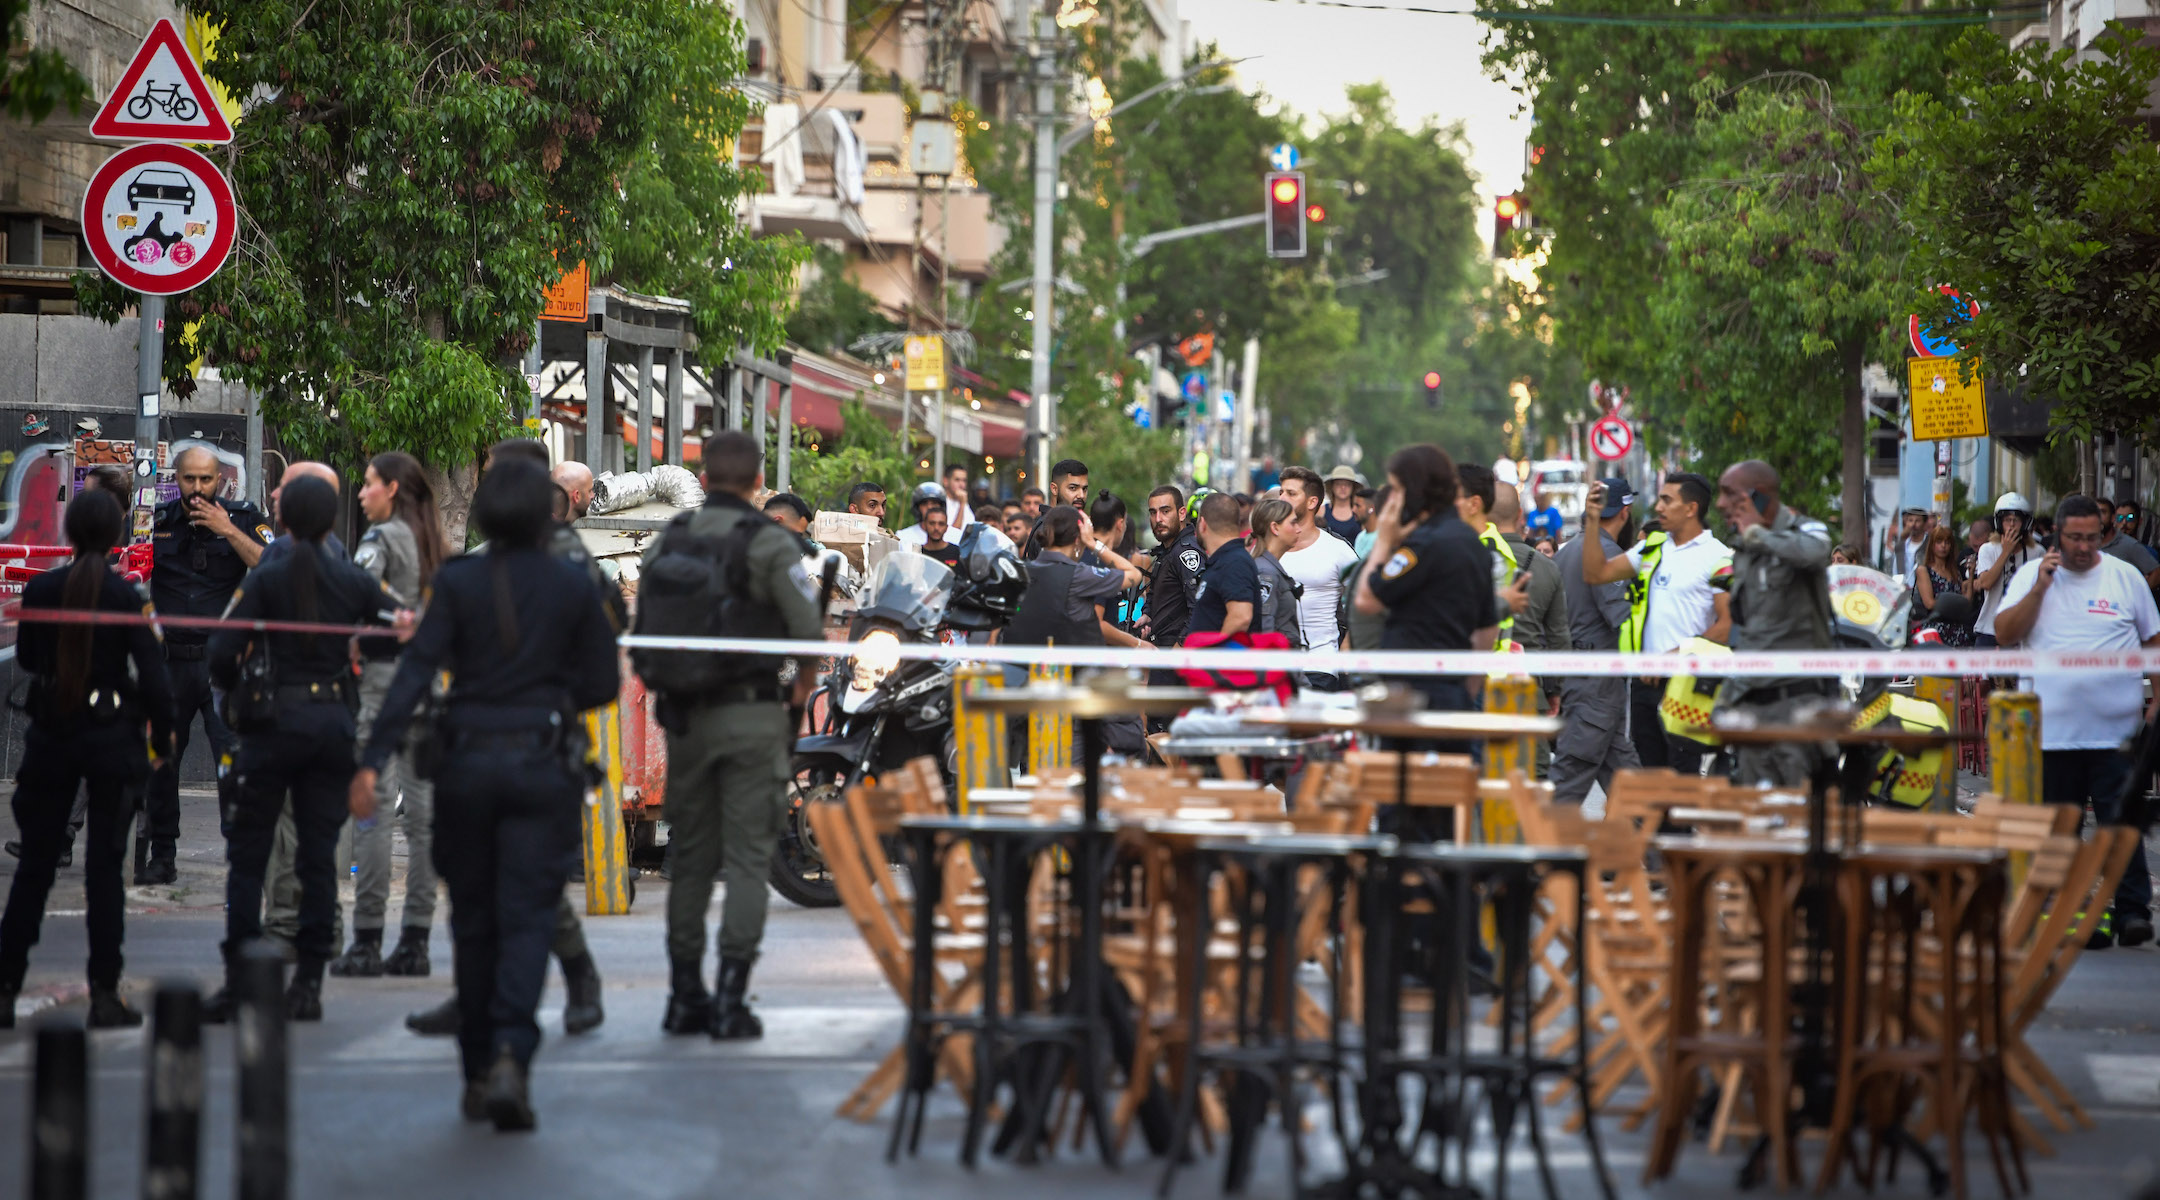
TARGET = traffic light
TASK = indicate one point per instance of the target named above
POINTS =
(1286, 215)
(1508, 211)
(1432, 389)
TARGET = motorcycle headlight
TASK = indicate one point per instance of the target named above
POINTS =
(875, 657)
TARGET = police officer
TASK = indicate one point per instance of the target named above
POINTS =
(728, 754)
(582, 1009)
(1780, 601)
(297, 738)
(1174, 574)
(1594, 741)
(403, 547)
(529, 648)
(86, 722)
(202, 544)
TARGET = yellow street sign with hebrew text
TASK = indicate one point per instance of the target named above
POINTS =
(1943, 404)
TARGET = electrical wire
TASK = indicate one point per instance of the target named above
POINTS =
(1743, 21)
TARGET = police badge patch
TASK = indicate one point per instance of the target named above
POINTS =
(1404, 560)
(1190, 558)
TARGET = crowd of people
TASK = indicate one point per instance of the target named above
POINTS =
(325, 706)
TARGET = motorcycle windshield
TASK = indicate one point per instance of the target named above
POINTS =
(912, 588)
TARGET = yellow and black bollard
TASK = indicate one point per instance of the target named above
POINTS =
(1516, 695)
(607, 850)
(2013, 734)
(978, 736)
(1050, 735)
(1942, 692)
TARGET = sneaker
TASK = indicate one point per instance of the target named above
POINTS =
(2103, 934)
(2133, 930)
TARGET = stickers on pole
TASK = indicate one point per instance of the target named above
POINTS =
(159, 219)
(162, 95)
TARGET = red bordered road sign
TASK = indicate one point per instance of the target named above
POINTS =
(1611, 438)
(159, 219)
(162, 95)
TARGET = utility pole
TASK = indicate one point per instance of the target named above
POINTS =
(149, 388)
(1047, 115)
(1248, 396)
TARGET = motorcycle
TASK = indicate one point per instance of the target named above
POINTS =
(883, 711)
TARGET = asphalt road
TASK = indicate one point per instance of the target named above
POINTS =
(627, 1112)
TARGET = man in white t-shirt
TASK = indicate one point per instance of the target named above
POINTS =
(959, 514)
(2001, 559)
(2076, 598)
(1317, 562)
(1675, 603)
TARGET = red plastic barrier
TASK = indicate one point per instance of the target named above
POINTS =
(12, 550)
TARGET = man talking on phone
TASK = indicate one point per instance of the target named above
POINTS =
(1780, 601)
(202, 545)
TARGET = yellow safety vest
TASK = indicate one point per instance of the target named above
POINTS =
(1503, 574)
(1638, 593)
(1684, 710)
(1921, 772)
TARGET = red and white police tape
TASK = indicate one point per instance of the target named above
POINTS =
(1749, 664)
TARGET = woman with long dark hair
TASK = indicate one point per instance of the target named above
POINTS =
(402, 548)
(1429, 573)
(297, 732)
(86, 728)
(529, 647)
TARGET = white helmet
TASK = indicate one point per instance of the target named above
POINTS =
(2012, 502)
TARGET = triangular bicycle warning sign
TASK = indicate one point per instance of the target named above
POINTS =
(162, 96)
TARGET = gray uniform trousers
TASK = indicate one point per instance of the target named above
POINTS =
(1593, 741)
(371, 846)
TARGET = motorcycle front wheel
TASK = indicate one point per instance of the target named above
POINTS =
(798, 866)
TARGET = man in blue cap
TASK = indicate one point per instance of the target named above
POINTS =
(1593, 741)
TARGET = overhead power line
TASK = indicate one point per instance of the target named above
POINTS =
(1745, 21)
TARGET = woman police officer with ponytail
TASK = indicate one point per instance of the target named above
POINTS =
(86, 724)
(296, 721)
(528, 647)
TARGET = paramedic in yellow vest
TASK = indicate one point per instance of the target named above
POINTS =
(1672, 600)
(1473, 503)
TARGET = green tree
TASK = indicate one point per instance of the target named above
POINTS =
(33, 82)
(1781, 267)
(2035, 188)
(822, 469)
(832, 311)
(413, 175)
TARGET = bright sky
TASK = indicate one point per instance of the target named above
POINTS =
(1307, 55)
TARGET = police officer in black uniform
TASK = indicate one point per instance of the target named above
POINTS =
(529, 647)
(86, 726)
(202, 545)
(1174, 573)
(298, 735)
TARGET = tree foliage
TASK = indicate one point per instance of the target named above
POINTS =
(34, 81)
(2035, 188)
(823, 469)
(412, 176)
(1782, 263)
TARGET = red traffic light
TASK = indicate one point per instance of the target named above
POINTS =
(1507, 207)
(1432, 379)
(1286, 190)
(1287, 214)
(1315, 213)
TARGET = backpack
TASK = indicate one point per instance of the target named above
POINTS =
(698, 586)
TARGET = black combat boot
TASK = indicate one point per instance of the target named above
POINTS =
(303, 996)
(442, 1020)
(10, 987)
(581, 1011)
(508, 1104)
(410, 957)
(159, 868)
(108, 1010)
(689, 1006)
(363, 958)
(219, 1008)
(734, 1021)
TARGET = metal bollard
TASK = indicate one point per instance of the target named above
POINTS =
(172, 1141)
(1050, 735)
(60, 1113)
(606, 842)
(2013, 734)
(259, 1036)
(979, 737)
(1516, 695)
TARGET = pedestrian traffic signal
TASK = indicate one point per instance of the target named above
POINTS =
(1286, 215)
(1508, 211)
(1432, 389)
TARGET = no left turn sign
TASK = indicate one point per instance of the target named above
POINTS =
(1611, 439)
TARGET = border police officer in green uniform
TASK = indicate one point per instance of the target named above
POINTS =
(1780, 601)
(728, 741)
